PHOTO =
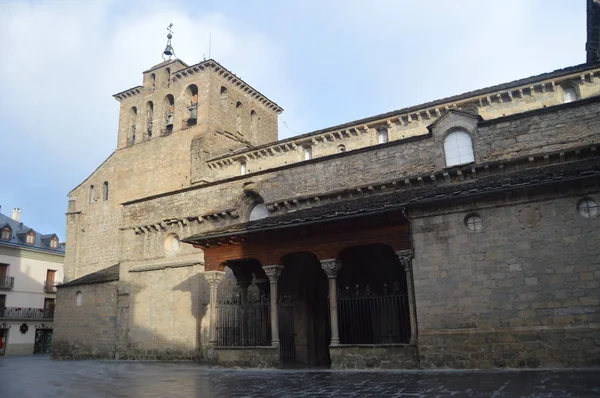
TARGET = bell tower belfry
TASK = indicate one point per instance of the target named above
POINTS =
(203, 107)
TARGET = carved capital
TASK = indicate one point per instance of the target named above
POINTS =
(273, 272)
(214, 277)
(331, 267)
(405, 257)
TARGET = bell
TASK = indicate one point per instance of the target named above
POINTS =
(168, 50)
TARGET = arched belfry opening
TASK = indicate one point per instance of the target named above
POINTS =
(191, 94)
(149, 118)
(169, 106)
(133, 125)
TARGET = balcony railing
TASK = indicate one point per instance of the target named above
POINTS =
(7, 282)
(25, 313)
(49, 287)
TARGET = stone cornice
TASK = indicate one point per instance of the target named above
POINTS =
(231, 77)
(132, 92)
(32, 254)
(427, 112)
(166, 223)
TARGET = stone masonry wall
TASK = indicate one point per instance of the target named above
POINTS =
(86, 331)
(521, 292)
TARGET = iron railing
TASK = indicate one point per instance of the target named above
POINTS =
(7, 282)
(25, 313)
(366, 317)
(243, 323)
(49, 287)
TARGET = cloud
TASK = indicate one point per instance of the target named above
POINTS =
(325, 62)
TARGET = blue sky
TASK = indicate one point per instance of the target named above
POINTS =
(325, 62)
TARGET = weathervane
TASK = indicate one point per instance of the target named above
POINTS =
(169, 52)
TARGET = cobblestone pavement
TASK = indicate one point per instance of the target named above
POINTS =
(38, 376)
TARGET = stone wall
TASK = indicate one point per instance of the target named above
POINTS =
(246, 357)
(89, 330)
(522, 291)
(393, 356)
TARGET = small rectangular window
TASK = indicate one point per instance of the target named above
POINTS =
(307, 153)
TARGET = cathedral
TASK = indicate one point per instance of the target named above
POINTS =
(459, 233)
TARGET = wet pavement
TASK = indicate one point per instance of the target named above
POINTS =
(38, 376)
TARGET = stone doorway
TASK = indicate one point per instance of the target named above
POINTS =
(304, 323)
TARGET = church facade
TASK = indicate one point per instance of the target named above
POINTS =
(459, 233)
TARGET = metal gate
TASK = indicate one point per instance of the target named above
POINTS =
(243, 322)
(287, 334)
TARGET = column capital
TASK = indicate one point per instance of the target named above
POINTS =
(405, 257)
(331, 266)
(214, 278)
(273, 272)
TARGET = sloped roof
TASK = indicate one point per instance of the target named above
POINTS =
(398, 199)
(105, 275)
(19, 229)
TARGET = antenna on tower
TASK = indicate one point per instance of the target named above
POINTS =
(169, 52)
(209, 43)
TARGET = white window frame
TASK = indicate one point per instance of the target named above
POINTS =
(569, 94)
(458, 148)
(382, 135)
(307, 152)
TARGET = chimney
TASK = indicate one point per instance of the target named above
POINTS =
(16, 214)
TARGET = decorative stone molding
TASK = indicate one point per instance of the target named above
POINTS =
(214, 278)
(331, 267)
(273, 272)
(405, 257)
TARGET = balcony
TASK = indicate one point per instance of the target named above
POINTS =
(7, 282)
(19, 313)
(49, 287)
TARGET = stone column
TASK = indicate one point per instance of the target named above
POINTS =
(273, 272)
(331, 267)
(405, 258)
(213, 278)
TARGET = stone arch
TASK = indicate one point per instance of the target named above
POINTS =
(238, 116)
(249, 199)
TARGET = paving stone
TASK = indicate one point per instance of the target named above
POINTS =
(38, 376)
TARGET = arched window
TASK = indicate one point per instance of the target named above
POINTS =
(169, 114)
(238, 117)
(153, 82)
(78, 299)
(105, 191)
(259, 211)
(168, 77)
(458, 148)
(569, 94)
(191, 93)
(149, 118)
(307, 152)
(224, 99)
(382, 135)
(91, 194)
(253, 121)
(133, 116)
(243, 168)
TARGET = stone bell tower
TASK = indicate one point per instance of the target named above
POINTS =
(204, 107)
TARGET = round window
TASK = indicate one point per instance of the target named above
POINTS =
(474, 222)
(172, 244)
(587, 207)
